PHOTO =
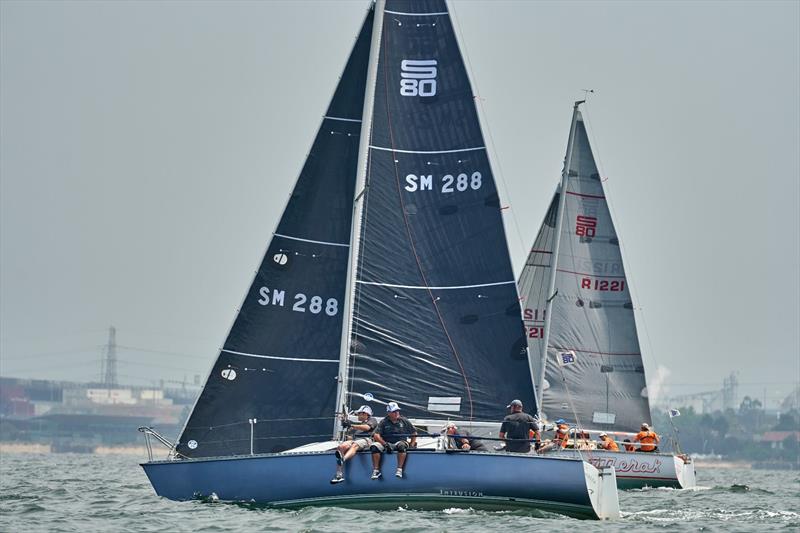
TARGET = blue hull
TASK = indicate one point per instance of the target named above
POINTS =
(433, 480)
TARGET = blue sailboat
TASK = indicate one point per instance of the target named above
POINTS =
(387, 278)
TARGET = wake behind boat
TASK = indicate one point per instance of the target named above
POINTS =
(581, 328)
(387, 279)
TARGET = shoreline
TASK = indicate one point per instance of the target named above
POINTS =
(38, 449)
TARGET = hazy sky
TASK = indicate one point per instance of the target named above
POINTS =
(147, 149)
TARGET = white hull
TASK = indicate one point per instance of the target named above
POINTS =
(638, 470)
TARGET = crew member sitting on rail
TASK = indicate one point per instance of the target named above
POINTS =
(628, 446)
(648, 439)
(390, 436)
(561, 438)
(562, 434)
(463, 439)
(359, 438)
(607, 443)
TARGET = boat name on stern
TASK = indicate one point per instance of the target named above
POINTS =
(453, 492)
(628, 464)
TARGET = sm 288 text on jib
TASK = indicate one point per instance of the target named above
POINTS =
(300, 302)
(446, 184)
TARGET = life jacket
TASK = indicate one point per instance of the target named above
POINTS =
(648, 439)
(610, 445)
(562, 436)
(629, 447)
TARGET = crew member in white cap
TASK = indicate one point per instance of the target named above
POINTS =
(647, 438)
(393, 434)
(607, 443)
(359, 438)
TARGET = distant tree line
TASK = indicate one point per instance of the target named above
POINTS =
(733, 434)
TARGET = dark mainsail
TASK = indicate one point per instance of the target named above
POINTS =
(594, 364)
(280, 361)
(436, 315)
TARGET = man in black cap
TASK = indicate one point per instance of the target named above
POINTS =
(518, 429)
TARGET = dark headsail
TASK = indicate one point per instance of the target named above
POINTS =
(280, 361)
(436, 315)
(594, 364)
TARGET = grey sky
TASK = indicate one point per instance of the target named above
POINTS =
(148, 148)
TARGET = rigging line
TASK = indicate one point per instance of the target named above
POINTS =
(623, 254)
(457, 27)
(359, 269)
(575, 414)
(410, 235)
(160, 352)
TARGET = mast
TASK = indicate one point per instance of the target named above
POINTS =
(358, 204)
(554, 264)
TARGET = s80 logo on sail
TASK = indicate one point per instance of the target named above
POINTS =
(302, 303)
(585, 226)
(418, 77)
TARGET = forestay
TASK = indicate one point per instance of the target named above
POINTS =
(279, 363)
(436, 316)
(594, 365)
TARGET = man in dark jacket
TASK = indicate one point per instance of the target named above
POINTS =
(518, 429)
(395, 433)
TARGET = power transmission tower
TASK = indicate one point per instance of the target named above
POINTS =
(110, 366)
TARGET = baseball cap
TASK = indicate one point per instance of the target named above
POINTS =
(603, 435)
(364, 409)
(646, 425)
(391, 407)
(513, 403)
(561, 421)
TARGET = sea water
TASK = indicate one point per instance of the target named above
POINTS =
(86, 493)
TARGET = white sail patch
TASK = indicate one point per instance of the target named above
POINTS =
(444, 403)
(566, 358)
(418, 77)
(603, 418)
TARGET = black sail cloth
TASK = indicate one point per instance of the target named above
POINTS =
(280, 361)
(436, 317)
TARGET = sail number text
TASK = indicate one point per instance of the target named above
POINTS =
(302, 303)
(447, 183)
(602, 285)
(537, 316)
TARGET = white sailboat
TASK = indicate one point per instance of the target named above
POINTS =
(581, 327)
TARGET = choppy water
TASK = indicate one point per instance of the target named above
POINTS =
(111, 493)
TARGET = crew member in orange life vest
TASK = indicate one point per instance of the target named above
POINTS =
(562, 433)
(648, 439)
(607, 443)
